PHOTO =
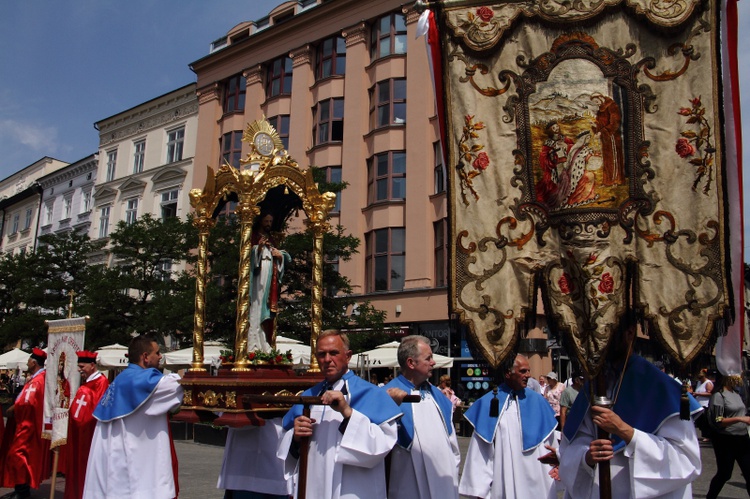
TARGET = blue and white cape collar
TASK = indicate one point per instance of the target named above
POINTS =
(363, 396)
(129, 390)
(537, 417)
(406, 423)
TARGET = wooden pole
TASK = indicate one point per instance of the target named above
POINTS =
(56, 452)
(605, 479)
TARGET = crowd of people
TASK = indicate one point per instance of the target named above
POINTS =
(397, 439)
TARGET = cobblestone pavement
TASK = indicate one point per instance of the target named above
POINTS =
(200, 465)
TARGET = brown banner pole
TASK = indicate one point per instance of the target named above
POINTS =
(56, 452)
(605, 479)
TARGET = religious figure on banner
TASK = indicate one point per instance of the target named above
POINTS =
(607, 125)
(267, 264)
(552, 161)
(62, 390)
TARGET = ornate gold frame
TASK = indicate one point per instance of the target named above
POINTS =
(265, 167)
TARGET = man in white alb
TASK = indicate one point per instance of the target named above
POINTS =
(350, 434)
(132, 453)
(511, 429)
(424, 463)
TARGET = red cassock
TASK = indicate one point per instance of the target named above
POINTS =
(27, 459)
(81, 425)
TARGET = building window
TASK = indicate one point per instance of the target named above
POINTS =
(104, 222)
(234, 94)
(279, 77)
(388, 103)
(27, 221)
(333, 176)
(16, 222)
(48, 213)
(386, 173)
(139, 155)
(441, 252)
(388, 36)
(231, 148)
(437, 151)
(330, 58)
(175, 141)
(165, 269)
(329, 121)
(169, 204)
(385, 258)
(131, 211)
(67, 207)
(111, 164)
(86, 202)
(281, 124)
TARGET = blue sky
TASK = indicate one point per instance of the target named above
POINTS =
(69, 63)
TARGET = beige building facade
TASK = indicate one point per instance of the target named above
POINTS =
(145, 163)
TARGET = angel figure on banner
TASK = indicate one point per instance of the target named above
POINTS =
(267, 264)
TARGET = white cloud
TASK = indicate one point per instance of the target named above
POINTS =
(38, 138)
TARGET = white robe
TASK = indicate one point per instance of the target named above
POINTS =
(250, 461)
(501, 469)
(131, 457)
(661, 466)
(256, 337)
(430, 468)
(348, 466)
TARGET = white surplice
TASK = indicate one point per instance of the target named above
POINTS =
(661, 465)
(250, 461)
(348, 466)
(131, 457)
(501, 469)
(429, 469)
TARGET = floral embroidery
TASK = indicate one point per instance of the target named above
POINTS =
(565, 283)
(606, 284)
(697, 144)
(471, 154)
(485, 13)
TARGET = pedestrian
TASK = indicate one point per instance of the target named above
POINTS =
(730, 440)
(132, 453)
(702, 394)
(425, 461)
(81, 423)
(512, 426)
(553, 392)
(569, 396)
(349, 435)
(445, 387)
(27, 461)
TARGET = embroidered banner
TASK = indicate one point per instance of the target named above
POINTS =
(588, 149)
(65, 338)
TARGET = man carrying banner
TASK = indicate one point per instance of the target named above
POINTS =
(512, 427)
(132, 452)
(652, 451)
(82, 423)
(27, 462)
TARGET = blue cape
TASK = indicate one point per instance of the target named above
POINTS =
(647, 398)
(406, 423)
(129, 390)
(537, 417)
(364, 397)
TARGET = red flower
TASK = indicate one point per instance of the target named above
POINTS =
(606, 284)
(685, 111)
(696, 102)
(279, 358)
(684, 148)
(592, 258)
(251, 355)
(565, 283)
(485, 13)
(231, 358)
(482, 161)
(289, 355)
